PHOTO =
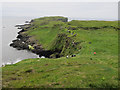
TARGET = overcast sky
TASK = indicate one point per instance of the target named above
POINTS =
(83, 10)
(59, 0)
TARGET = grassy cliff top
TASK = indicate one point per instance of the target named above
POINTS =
(82, 38)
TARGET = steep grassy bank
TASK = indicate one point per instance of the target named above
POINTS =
(80, 38)
(44, 35)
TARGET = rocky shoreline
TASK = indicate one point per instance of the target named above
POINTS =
(23, 42)
(63, 44)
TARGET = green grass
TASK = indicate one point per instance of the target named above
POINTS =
(86, 70)
(62, 73)
(93, 23)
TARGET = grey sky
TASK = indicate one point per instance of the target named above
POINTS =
(81, 10)
(59, 1)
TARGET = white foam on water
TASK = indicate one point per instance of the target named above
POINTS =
(18, 60)
(3, 64)
(8, 63)
(42, 57)
(38, 56)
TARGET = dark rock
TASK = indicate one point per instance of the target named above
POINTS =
(118, 28)
(19, 28)
(72, 28)
(31, 21)
(11, 44)
(26, 21)
(89, 42)
(63, 19)
(19, 36)
(21, 31)
(23, 40)
(76, 43)
(73, 55)
(19, 44)
(69, 31)
(23, 26)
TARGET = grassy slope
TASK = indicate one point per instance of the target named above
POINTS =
(84, 70)
(44, 31)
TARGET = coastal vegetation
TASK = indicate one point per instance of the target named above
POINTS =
(79, 54)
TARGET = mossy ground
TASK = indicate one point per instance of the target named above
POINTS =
(83, 71)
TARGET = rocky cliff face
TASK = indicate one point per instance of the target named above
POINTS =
(23, 40)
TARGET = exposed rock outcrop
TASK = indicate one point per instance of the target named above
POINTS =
(23, 41)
